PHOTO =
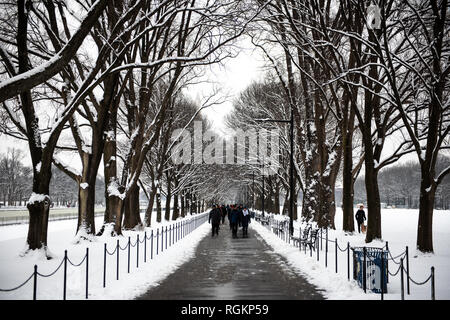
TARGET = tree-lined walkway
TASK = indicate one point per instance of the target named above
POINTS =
(234, 269)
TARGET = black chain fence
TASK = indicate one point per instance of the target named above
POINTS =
(158, 241)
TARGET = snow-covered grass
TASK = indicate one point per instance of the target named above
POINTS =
(15, 269)
(399, 229)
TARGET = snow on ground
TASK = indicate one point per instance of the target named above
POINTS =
(399, 229)
(398, 226)
(14, 269)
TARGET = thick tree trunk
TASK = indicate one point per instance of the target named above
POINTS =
(286, 204)
(425, 225)
(372, 105)
(116, 210)
(191, 203)
(86, 209)
(158, 204)
(37, 231)
(132, 219)
(149, 210)
(168, 199)
(277, 201)
(373, 202)
(310, 205)
(176, 210)
(348, 223)
(327, 208)
(183, 199)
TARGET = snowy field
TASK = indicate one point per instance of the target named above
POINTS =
(14, 269)
(399, 227)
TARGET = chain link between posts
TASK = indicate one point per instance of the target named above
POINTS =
(368, 258)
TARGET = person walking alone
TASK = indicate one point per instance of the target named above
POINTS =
(214, 219)
(224, 213)
(234, 220)
(360, 217)
(245, 221)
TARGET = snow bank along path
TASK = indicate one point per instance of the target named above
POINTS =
(399, 227)
(15, 269)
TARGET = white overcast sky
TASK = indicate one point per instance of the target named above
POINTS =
(231, 77)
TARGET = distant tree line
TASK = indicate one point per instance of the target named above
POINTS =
(399, 186)
(15, 189)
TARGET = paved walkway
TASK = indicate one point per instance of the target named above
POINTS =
(234, 269)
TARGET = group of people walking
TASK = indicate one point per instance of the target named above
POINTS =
(238, 216)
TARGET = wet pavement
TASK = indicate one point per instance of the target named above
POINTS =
(224, 268)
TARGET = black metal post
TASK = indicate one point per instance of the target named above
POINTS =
(157, 241)
(35, 282)
(321, 238)
(151, 246)
(162, 239)
(365, 270)
(336, 253)
(407, 270)
(117, 259)
(129, 249)
(348, 260)
(326, 248)
(137, 251)
(65, 275)
(382, 275)
(87, 272)
(402, 280)
(104, 266)
(299, 236)
(145, 246)
(433, 296)
(387, 262)
(262, 203)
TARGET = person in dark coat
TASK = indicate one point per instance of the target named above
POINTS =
(245, 220)
(229, 209)
(214, 219)
(239, 208)
(360, 217)
(224, 213)
(234, 220)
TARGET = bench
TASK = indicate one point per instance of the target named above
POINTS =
(280, 227)
(264, 220)
(304, 236)
(311, 241)
(277, 227)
